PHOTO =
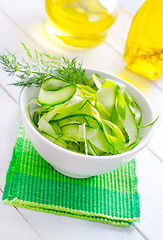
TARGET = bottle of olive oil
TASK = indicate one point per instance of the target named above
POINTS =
(144, 47)
(81, 23)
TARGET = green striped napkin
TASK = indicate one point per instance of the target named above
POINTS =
(34, 184)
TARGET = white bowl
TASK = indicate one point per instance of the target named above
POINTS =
(78, 165)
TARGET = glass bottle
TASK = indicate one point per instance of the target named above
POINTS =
(81, 23)
(144, 47)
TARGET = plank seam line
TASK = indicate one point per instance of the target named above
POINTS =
(139, 231)
(155, 154)
(1, 190)
(28, 223)
(25, 220)
(133, 225)
(113, 48)
(160, 87)
(4, 89)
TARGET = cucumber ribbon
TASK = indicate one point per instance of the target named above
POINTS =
(99, 119)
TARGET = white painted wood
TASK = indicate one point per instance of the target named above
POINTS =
(117, 34)
(131, 7)
(96, 57)
(29, 16)
(63, 228)
(150, 185)
(13, 226)
(9, 124)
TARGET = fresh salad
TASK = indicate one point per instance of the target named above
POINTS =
(97, 119)
(93, 116)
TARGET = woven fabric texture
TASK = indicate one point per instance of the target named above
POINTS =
(34, 184)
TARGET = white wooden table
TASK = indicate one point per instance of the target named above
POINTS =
(22, 20)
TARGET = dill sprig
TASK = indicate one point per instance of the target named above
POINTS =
(40, 67)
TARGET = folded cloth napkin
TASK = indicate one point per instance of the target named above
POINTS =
(34, 184)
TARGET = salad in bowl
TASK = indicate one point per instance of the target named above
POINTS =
(83, 122)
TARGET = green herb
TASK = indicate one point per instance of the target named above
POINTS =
(41, 67)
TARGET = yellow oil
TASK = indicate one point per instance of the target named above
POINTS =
(144, 46)
(81, 23)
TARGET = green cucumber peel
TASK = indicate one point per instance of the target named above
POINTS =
(150, 124)
(56, 97)
(97, 80)
(99, 120)
(53, 84)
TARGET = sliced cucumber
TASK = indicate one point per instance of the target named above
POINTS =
(45, 127)
(88, 89)
(117, 143)
(115, 130)
(96, 137)
(134, 108)
(130, 126)
(136, 112)
(97, 80)
(56, 127)
(53, 84)
(134, 144)
(100, 121)
(94, 150)
(99, 140)
(121, 104)
(58, 141)
(53, 98)
(49, 137)
(71, 109)
(91, 149)
(106, 96)
(71, 119)
(49, 115)
(108, 83)
(102, 111)
(78, 118)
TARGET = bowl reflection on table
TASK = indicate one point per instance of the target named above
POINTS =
(78, 165)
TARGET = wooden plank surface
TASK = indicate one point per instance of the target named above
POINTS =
(13, 226)
(34, 218)
(9, 123)
(23, 22)
(150, 185)
(62, 227)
